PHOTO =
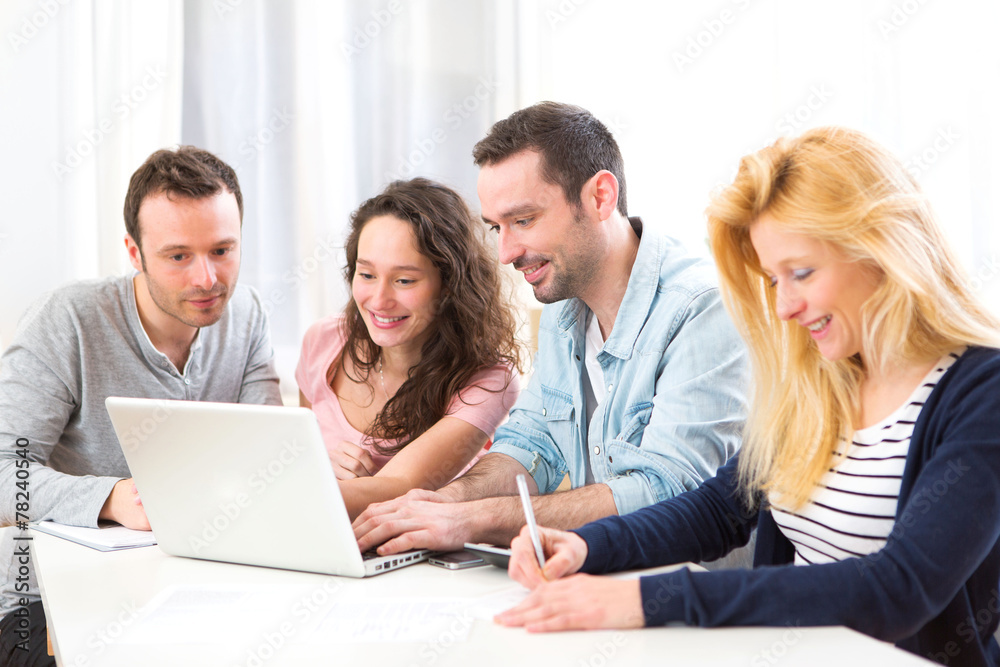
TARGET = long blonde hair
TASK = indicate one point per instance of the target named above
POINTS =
(838, 186)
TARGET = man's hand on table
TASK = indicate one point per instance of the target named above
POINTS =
(124, 506)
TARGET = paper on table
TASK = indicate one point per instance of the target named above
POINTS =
(212, 614)
(404, 620)
(108, 537)
(487, 606)
(192, 614)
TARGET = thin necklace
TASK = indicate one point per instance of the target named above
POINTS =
(381, 377)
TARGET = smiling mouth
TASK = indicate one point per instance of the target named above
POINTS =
(387, 320)
(531, 272)
(819, 324)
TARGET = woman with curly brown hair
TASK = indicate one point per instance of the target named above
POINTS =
(411, 380)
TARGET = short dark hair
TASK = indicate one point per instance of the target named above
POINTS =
(573, 144)
(187, 171)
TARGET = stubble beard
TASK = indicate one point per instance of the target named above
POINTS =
(570, 277)
(175, 305)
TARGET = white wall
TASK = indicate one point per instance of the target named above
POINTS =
(687, 88)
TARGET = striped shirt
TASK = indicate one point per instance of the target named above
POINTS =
(853, 508)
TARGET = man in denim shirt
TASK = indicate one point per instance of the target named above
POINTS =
(638, 392)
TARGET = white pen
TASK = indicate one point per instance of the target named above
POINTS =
(529, 515)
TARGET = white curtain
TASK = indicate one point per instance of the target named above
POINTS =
(688, 88)
(320, 104)
(88, 90)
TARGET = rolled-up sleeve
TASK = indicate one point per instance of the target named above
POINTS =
(526, 438)
(698, 409)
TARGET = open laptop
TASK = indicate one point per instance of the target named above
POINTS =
(248, 484)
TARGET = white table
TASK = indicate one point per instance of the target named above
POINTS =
(97, 607)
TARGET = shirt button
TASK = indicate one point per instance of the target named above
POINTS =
(543, 412)
(610, 386)
(187, 381)
(597, 450)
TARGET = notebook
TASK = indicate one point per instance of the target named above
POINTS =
(249, 484)
(108, 536)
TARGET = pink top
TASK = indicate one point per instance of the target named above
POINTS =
(475, 404)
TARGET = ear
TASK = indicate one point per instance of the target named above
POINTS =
(601, 193)
(134, 254)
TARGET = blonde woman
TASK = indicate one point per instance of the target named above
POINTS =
(871, 462)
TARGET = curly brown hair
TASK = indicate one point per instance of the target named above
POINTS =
(473, 328)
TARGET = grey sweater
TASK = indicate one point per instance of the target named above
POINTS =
(75, 347)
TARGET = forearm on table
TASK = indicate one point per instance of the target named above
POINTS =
(499, 520)
(496, 520)
(570, 509)
(69, 499)
(494, 475)
(361, 492)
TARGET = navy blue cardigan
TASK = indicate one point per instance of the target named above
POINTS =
(933, 589)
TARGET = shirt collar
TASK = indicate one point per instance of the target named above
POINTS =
(144, 342)
(639, 293)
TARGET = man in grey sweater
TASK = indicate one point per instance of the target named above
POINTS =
(178, 328)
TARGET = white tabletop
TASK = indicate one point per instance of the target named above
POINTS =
(105, 609)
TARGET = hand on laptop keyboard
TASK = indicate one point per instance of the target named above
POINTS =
(418, 520)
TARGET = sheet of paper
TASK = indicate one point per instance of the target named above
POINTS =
(485, 607)
(408, 620)
(104, 538)
(212, 614)
(228, 614)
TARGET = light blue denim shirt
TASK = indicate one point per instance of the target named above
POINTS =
(676, 375)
